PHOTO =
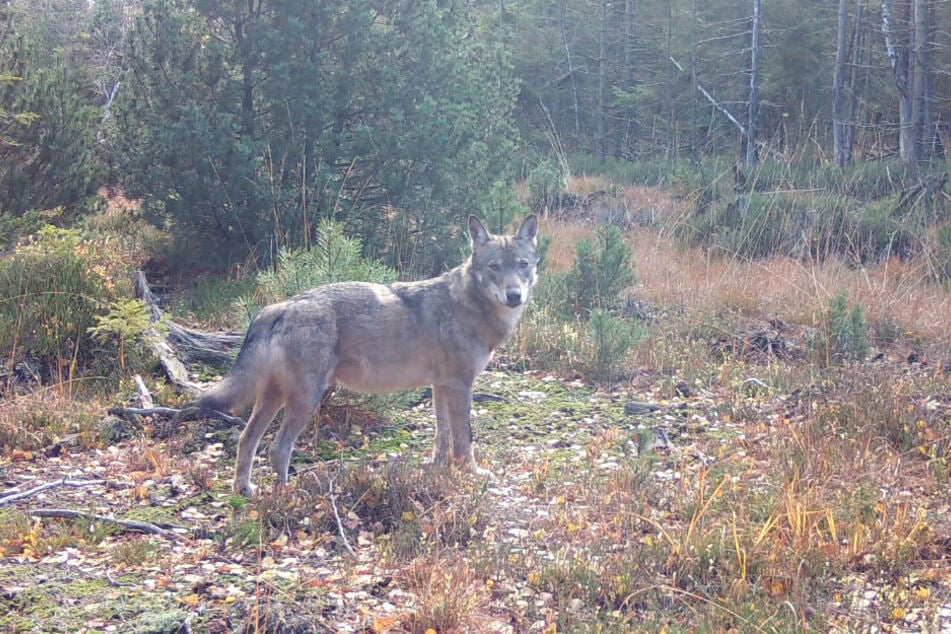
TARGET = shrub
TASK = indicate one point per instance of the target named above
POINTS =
(605, 343)
(600, 273)
(53, 288)
(545, 182)
(844, 332)
(334, 257)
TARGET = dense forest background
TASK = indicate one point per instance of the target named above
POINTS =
(239, 126)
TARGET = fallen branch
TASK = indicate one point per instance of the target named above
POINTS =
(177, 415)
(165, 530)
(716, 104)
(175, 344)
(13, 497)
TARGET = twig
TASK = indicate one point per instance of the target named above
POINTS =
(118, 584)
(343, 534)
(13, 497)
(132, 525)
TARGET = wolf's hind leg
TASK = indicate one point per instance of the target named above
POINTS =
(268, 403)
(300, 409)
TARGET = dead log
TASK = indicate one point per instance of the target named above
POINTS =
(176, 345)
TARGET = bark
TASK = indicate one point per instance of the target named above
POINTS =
(857, 44)
(921, 82)
(563, 24)
(897, 46)
(599, 149)
(630, 61)
(753, 110)
(838, 87)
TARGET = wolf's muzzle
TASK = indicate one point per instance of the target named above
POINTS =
(513, 297)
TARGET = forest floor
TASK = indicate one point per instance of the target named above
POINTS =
(732, 480)
(656, 507)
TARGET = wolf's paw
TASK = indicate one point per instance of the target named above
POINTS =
(245, 488)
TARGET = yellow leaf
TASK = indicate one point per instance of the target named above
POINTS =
(923, 593)
(383, 624)
(408, 516)
(897, 613)
(431, 631)
(191, 600)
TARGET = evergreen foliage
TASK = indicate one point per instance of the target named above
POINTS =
(600, 272)
(247, 127)
(334, 257)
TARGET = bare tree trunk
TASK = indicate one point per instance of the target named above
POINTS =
(921, 82)
(630, 70)
(753, 111)
(668, 87)
(599, 141)
(838, 90)
(858, 39)
(898, 46)
(563, 24)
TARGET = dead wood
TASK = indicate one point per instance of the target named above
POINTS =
(176, 345)
(165, 530)
(13, 497)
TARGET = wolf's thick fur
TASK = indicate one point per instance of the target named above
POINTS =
(373, 338)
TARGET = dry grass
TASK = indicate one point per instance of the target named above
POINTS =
(890, 292)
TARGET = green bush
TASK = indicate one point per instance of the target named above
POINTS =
(604, 344)
(942, 253)
(334, 257)
(600, 272)
(52, 288)
(570, 326)
(544, 183)
(844, 332)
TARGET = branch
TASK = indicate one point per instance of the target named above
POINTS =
(176, 415)
(13, 497)
(340, 529)
(713, 101)
(165, 530)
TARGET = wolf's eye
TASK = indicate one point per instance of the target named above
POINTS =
(523, 264)
(494, 266)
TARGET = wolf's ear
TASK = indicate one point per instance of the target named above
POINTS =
(477, 231)
(528, 229)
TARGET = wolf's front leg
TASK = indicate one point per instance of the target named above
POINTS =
(459, 409)
(443, 441)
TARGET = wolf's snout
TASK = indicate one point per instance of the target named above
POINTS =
(513, 297)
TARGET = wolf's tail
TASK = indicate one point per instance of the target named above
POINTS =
(240, 385)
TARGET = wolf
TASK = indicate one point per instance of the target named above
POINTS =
(374, 338)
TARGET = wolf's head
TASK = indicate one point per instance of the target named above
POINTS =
(504, 266)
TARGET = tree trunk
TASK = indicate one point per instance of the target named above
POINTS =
(898, 45)
(753, 111)
(921, 82)
(630, 70)
(599, 141)
(857, 45)
(563, 24)
(838, 91)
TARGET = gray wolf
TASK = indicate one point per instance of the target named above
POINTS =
(373, 338)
